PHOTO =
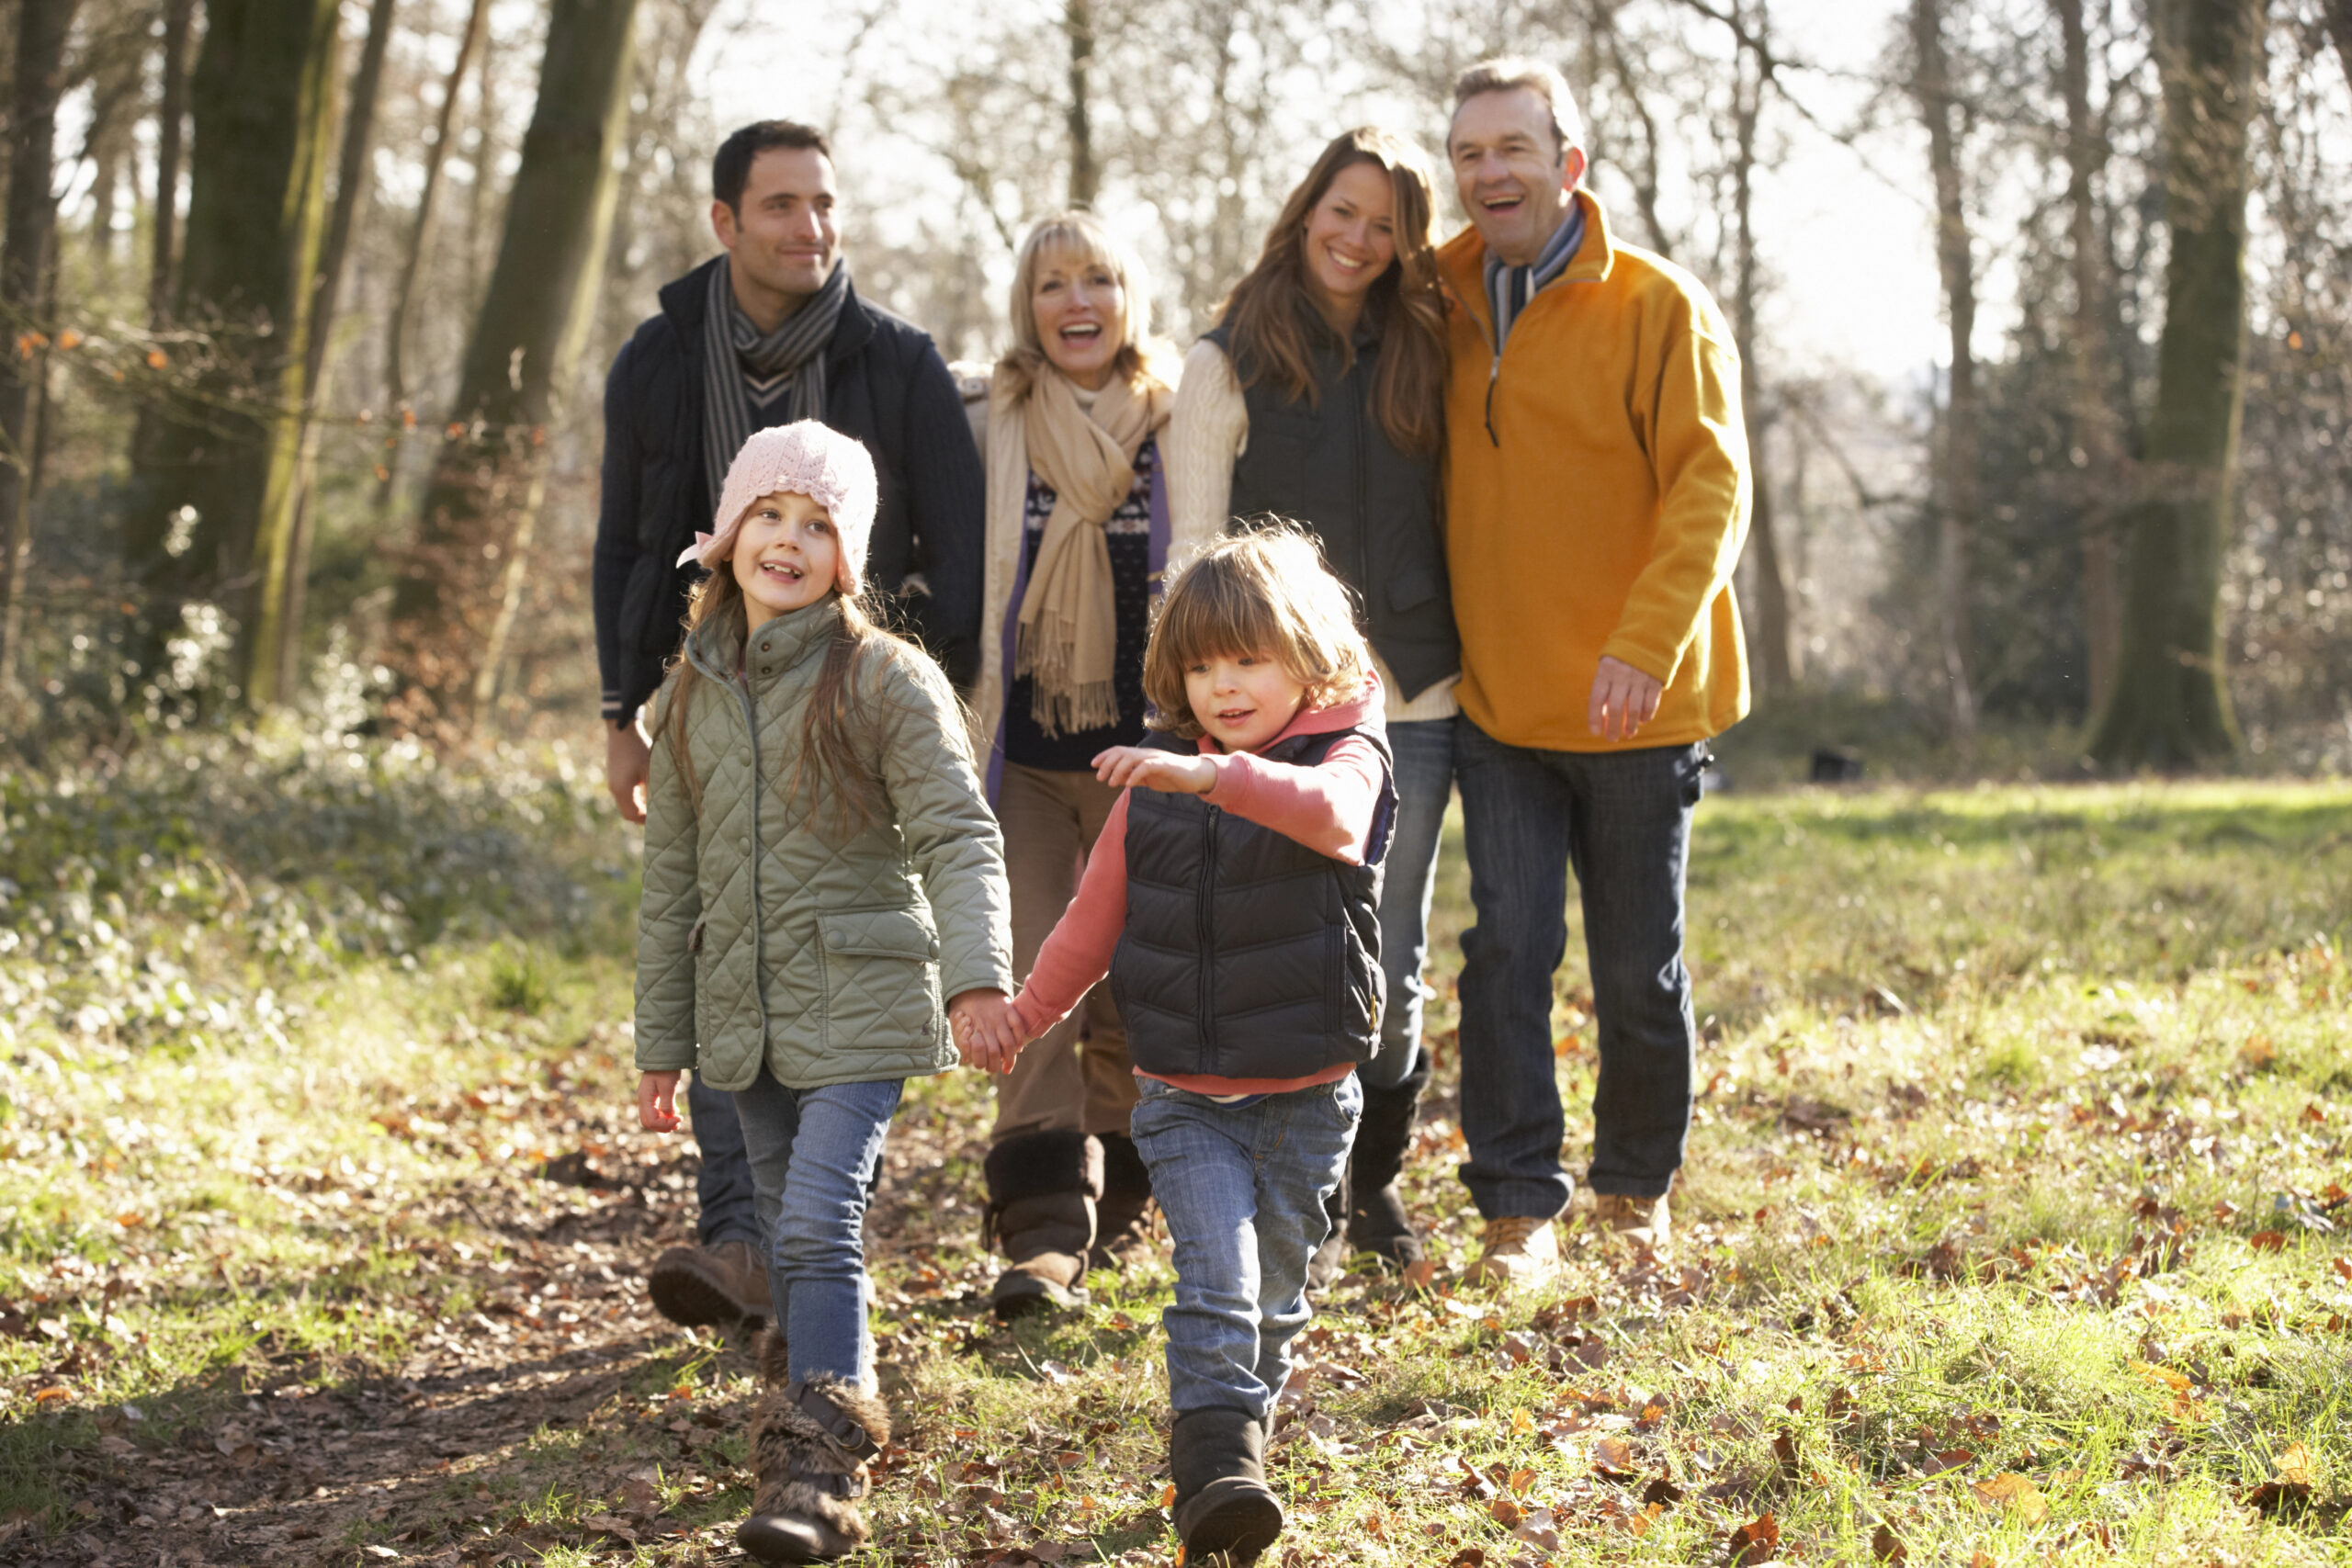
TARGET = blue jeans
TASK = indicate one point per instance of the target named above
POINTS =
(1424, 753)
(1622, 819)
(814, 1154)
(723, 1189)
(1243, 1189)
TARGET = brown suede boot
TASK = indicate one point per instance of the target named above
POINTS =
(1041, 1192)
(809, 1444)
(1123, 1218)
(702, 1285)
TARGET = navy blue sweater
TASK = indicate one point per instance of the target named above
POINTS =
(884, 384)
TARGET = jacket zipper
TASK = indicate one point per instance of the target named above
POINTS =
(1207, 933)
(1364, 519)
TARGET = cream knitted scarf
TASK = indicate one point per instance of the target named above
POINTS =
(1068, 640)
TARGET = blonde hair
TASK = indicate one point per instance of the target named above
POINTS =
(1504, 72)
(1265, 591)
(1141, 356)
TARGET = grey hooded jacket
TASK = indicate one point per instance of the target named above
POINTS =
(765, 935)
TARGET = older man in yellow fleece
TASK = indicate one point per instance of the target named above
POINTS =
(1596, 499)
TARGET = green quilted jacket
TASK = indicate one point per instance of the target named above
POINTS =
(765, 935)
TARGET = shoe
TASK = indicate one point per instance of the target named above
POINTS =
(1644, 1222)
(1123, 1217)
(1377, 1222)
(809, 1444)
(1042, 1191)
(699, 1286)
(1224, 1515)
(1517, 1251)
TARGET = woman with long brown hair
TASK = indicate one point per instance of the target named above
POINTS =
(1078, 531)
(1319, 397)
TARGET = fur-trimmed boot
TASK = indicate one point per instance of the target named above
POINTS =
(809, 1444)
(1042, 1191)
(1123, 1217)
(1225, 1514)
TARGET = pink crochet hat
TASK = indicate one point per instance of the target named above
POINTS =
(807, 458)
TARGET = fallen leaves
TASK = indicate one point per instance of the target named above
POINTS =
(2013, 1495)
(1759, 1540)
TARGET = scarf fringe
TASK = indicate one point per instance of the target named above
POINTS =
(1045, 655)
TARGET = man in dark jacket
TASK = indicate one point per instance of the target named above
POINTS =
(769, 332)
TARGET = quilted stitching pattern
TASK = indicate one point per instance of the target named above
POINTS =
(765, 878)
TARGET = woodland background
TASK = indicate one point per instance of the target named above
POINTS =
(309, 304)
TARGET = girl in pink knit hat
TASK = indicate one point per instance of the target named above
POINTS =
(824, 893)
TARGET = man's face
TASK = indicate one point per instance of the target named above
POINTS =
(1511, 173)
(782, 237)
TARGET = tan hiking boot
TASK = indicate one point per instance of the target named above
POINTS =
(703, 1285)
(1516, 1250)
(1642, 1222)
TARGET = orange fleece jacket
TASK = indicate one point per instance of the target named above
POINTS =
(1603, 514)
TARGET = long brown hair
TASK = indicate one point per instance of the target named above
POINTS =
(829, 760)
(1274, 319)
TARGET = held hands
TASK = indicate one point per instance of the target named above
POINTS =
(987, 1032)
(1624, 699)
(657, 1101)
(1144, 767)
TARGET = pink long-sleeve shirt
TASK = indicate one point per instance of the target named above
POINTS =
(1329, 807)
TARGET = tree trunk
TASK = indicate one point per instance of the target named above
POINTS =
(449, 628)
(1956, 486)
(419, 245)
(2170, 706)
(1085, 175)
(2098, 459)
(263, 98)
(42, 27)
(278, 642)
(1769, 635)
(170, 114)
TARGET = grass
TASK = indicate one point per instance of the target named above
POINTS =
(2012, 1229)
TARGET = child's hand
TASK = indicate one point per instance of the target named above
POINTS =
(987, 1032)
(657, 1101)
(1141, 767)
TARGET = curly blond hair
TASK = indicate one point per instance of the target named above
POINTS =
(1265, 591)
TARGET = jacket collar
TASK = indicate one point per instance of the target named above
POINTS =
(1462, 262)
(685, 300)
(778, 647)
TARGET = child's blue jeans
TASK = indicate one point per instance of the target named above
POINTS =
(815, 1154)
(1243, 1189)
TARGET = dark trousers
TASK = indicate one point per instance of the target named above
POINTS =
(1622, 821)
(724, 1188)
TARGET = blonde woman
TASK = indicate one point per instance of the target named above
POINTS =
(1077, 533)
(1319, 397)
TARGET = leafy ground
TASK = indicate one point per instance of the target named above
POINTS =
(2012, 1232)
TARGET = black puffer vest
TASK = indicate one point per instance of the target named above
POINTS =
(1247, 954)
(1330, 467)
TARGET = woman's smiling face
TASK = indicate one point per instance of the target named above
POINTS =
(1351, 232)
(1081, 312)
(787, 555)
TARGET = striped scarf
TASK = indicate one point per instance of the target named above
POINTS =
(1509, 289)
(746, 375)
